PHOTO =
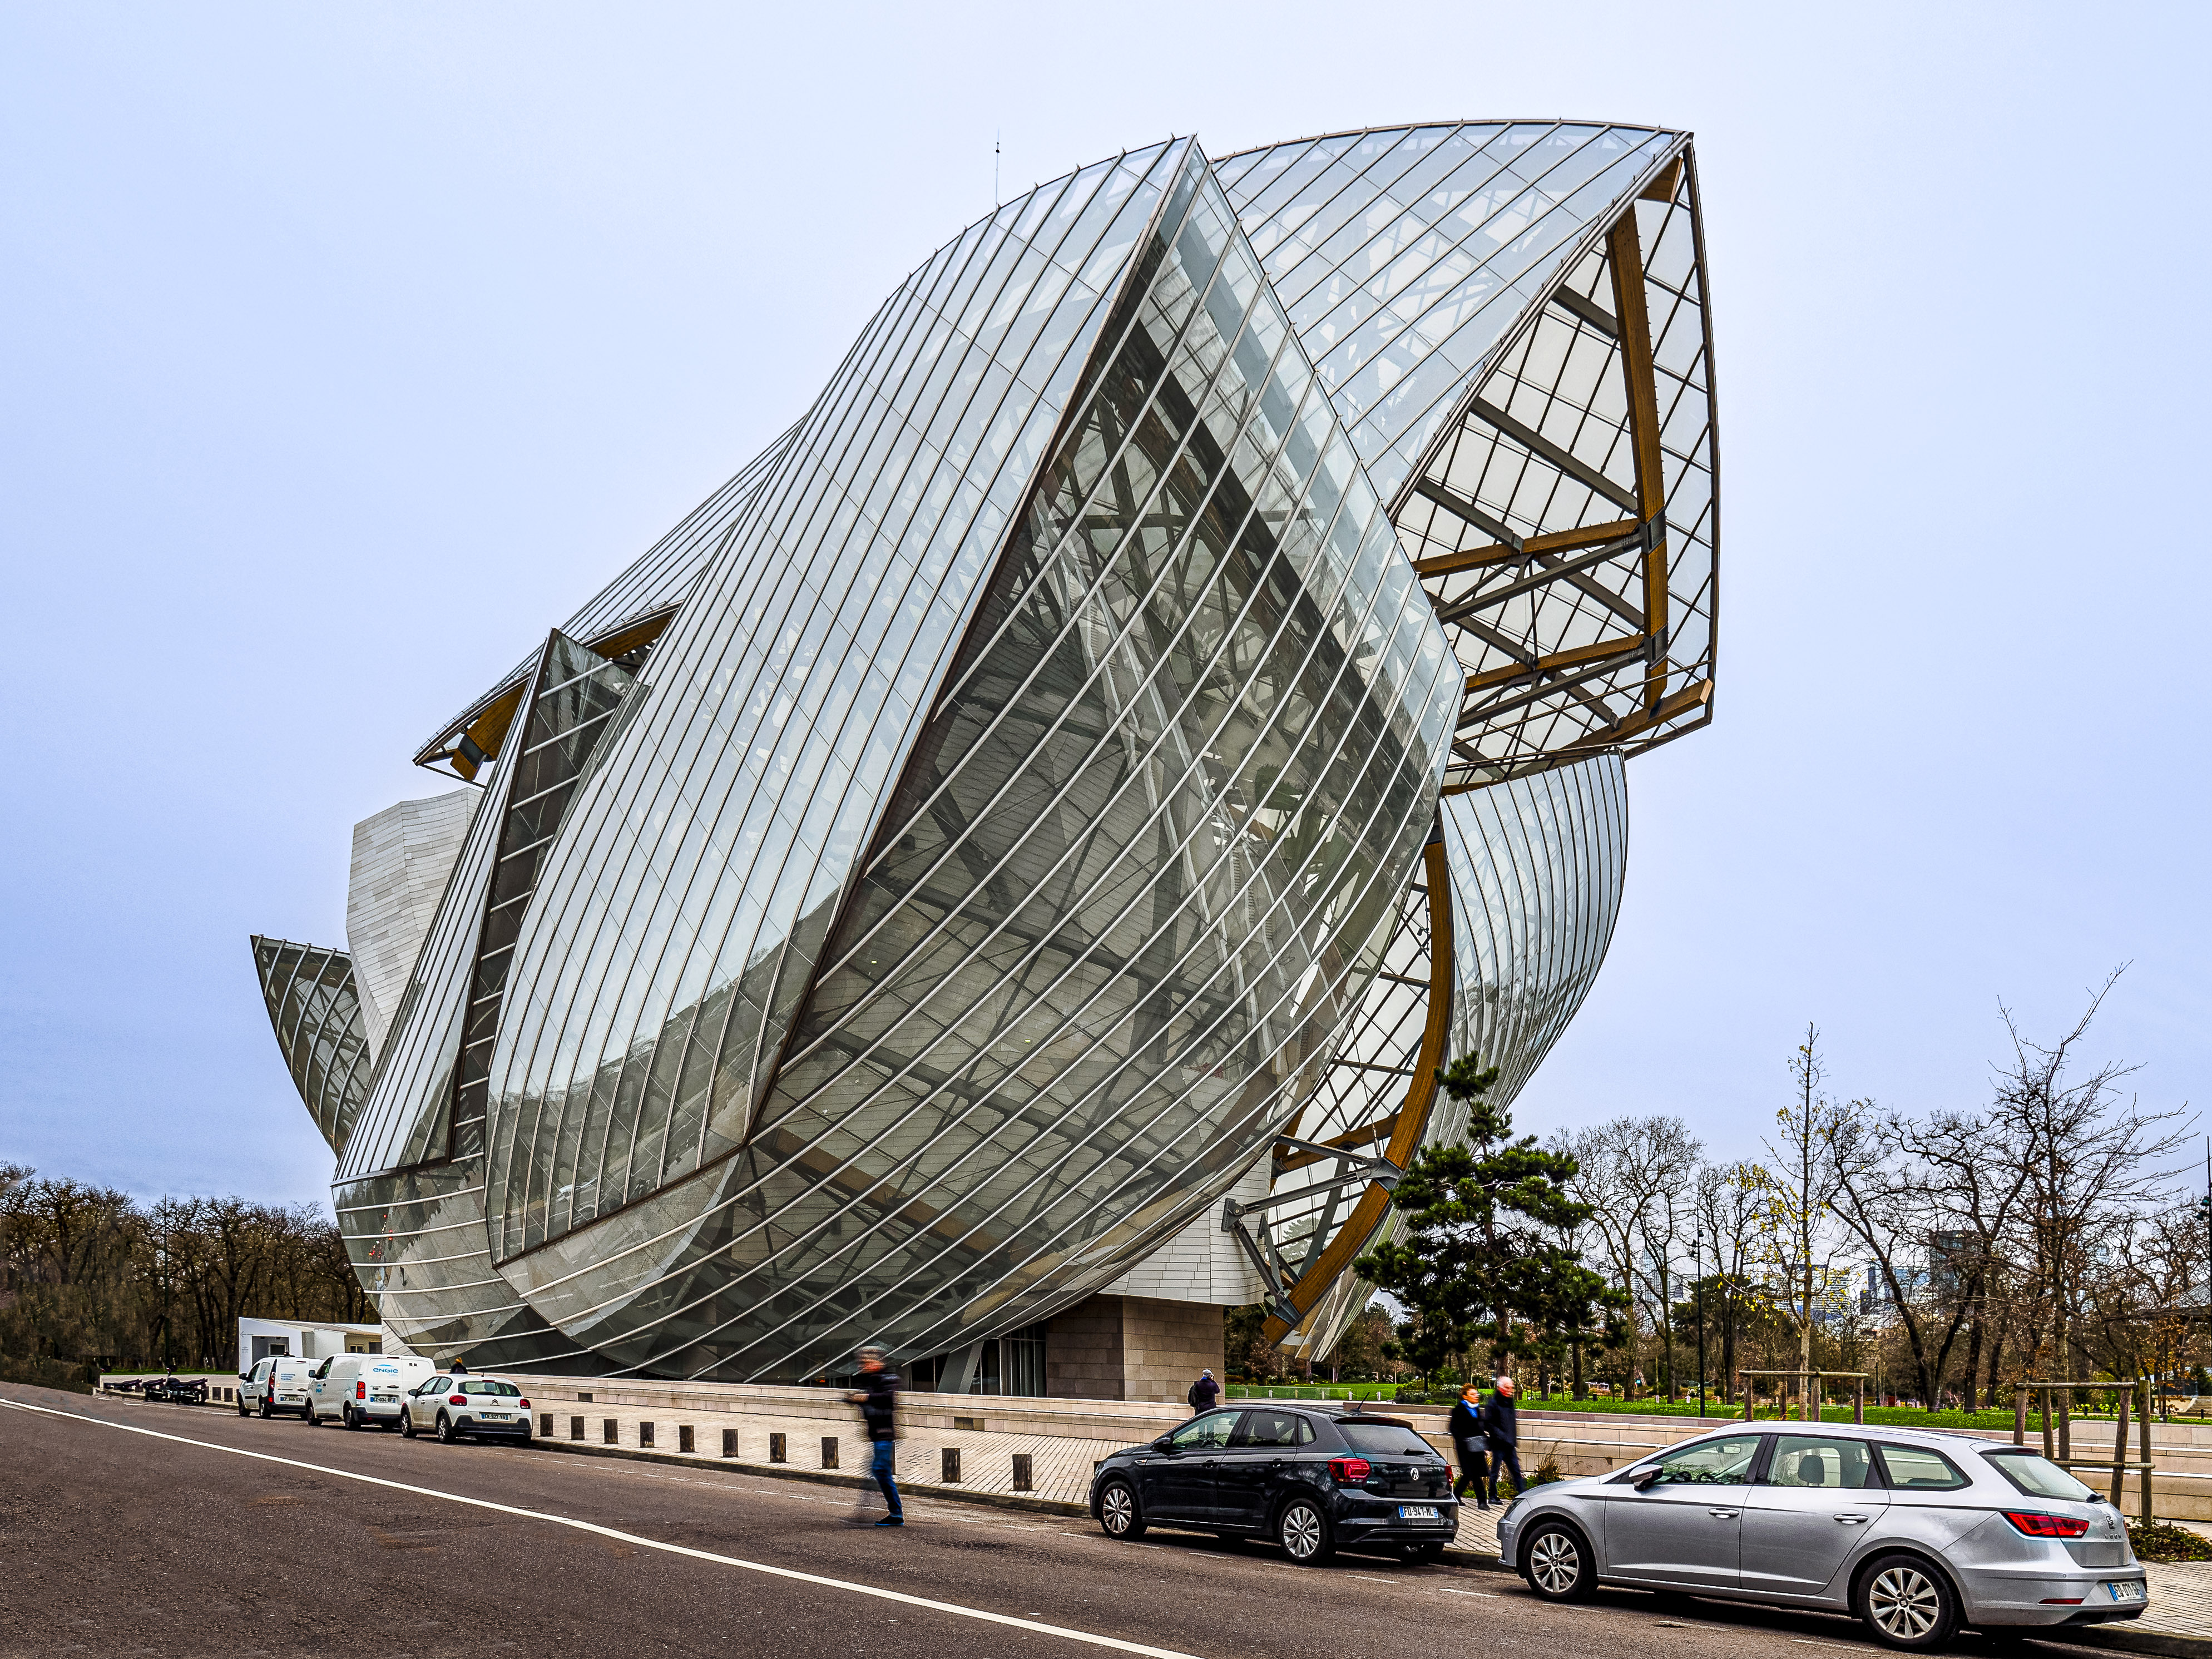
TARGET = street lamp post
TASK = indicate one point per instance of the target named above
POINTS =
(1697, 1267)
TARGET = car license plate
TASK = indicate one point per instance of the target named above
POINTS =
(497, 1417)
(1418, 1512)
(2126, 1590)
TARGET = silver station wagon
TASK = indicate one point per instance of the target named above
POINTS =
(1915, 1533)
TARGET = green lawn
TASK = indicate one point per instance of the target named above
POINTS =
(1898, 1416)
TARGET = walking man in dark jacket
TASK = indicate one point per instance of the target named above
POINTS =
(1203, 1393)
(877, 1397)
(1501, 1426)
(1468, 1440)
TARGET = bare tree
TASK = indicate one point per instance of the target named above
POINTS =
(1799, 1181)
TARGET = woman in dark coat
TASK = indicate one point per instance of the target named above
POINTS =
(1468, 1439)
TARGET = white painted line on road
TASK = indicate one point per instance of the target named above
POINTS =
(1485, 1595)
(1089, 1638)
(1364, 1579)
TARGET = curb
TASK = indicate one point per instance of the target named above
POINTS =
(997, 1500)
(2121, 1639)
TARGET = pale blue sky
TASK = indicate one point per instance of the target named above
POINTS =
(347, 348)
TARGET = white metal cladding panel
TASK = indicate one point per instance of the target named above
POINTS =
(404, 1122)
(1202, 1263)
(1537, 867)
(1406, 254)
(911, 1185)
(676, 916)
(401, 857)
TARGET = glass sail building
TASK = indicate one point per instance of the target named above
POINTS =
(1032, 837)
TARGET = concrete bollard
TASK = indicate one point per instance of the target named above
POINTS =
(1023, 1481)
(607, 1432)
(645, 1434)
(575, 1428)
(683, 1437)
(545, 1425)
(775, 1451)
(828, 1451)
(951, 1459)
(729, 1443)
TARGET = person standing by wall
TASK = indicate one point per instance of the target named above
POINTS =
(1501, 1427)
(1204, 1394)
(877, 1397)
(1468, 1441)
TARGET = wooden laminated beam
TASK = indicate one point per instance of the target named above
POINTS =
(1560, 541)
(1410, 1119)
(1663, 188)
(1626, 255)
(1597, 651)
(1690, 696)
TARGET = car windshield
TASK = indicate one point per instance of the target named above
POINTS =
(1709, 1463)
(1212, 1430)
(1382, 1439)
(487, 1385)
(2038, 1477)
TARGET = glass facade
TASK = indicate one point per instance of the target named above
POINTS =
(939, 871)
(316, 1010)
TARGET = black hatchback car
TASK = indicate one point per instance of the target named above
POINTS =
(1313, 1480)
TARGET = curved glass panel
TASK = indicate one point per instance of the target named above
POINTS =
(1139, 865)
(315, 1008)
(1403, 254)
(681, 910)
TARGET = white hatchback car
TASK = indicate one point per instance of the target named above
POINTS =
(452, 1406)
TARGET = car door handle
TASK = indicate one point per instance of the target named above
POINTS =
(1722, 1515)
(1852, 1520)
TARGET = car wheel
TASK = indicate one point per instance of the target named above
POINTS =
(1557, 1565)
(1303, 1532)
(241, 1408)
(346, 1419)
(265, 1412)
(1905, 1603)
(1118, 1512)
(406, 1424)
(446, 1433)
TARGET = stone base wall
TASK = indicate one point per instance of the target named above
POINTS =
(1131, 1347)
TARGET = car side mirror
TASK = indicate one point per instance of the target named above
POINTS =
(245, 1376)
(1645, 1479)
(1164, 1443)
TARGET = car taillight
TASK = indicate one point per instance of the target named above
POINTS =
(457, 1400)
(522, 1406)
(1351, 1471)
(2046, 1525)
(361, 1390)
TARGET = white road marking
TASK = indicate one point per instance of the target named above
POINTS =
(1089, 1638)
(1485, 1595)
(1364, 1579)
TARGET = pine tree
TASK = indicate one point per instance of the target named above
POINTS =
(1480, 1260)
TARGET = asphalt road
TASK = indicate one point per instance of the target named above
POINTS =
(172, 1543)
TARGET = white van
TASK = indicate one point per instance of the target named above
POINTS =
(279, 1383)
(362, 1390)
